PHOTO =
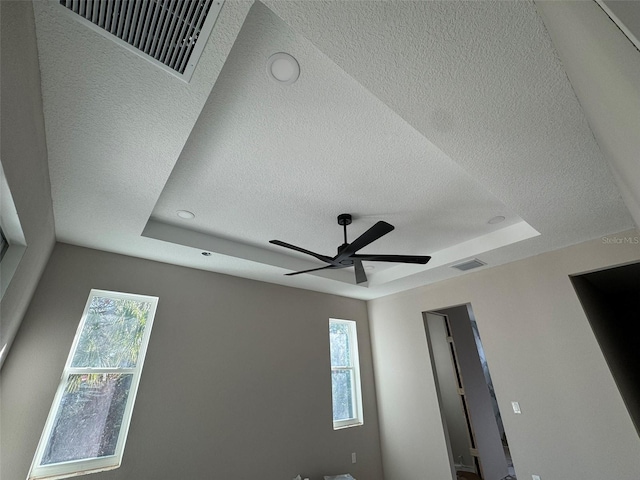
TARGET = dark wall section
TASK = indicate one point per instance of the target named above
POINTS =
(611, 301)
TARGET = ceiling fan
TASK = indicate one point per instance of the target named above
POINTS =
(347, 256)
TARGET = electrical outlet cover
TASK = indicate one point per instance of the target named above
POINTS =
(516, 410)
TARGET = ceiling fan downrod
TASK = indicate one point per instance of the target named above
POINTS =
(344, 219)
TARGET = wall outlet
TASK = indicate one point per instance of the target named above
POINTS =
(516, 410)
(353, 458)
(535, 477)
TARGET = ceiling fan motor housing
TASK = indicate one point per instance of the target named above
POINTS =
(346, 261)
(344, 219)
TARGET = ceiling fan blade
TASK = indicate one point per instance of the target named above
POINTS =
(324, 258)
(394, 258)
(361, 277)
(311, 270)
(378, 230)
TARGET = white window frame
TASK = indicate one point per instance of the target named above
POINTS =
(92, 465)
(13, 234)
(354, 368)
(12, 229)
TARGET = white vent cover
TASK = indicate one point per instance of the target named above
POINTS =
(464, 266)
(169, 33)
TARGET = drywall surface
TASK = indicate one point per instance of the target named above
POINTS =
(236, 383)
(604, 69)
(23, 152)
(485, 427)
(627, 16)
(541, 352)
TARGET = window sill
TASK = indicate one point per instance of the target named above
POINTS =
(348, 425)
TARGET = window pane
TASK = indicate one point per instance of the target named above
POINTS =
(339, 344)
(112, 333)
(88, 420)
(341, 390)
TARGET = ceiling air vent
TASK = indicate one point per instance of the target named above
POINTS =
(169, 33)
(464, 266)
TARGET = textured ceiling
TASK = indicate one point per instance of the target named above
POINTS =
(310, 151)
(433, 116)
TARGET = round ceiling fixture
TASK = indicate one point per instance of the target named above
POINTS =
(495, 220)
(369, 267)
(283, 68)
(186, 214)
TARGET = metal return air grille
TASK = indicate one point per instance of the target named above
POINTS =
(172, 32)
(464, 266)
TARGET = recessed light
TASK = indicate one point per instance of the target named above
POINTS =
(369, 267)
(186, 214)
(283, 68)
(206, 254)
(495, 220)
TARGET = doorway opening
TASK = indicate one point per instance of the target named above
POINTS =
(611, 301)
(476, 440)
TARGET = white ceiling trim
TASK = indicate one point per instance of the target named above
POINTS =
(460, 252)
(230, 248)
(221, 246)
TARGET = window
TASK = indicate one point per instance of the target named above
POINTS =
(345, 374)
(89, 419)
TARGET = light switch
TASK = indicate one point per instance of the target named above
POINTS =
(353, 457)
(516, 410)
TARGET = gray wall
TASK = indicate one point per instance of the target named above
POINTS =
(542, 353)
(236, 383)
(23, 153)
(628, 12)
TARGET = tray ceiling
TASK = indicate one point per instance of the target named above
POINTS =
(432, 116)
